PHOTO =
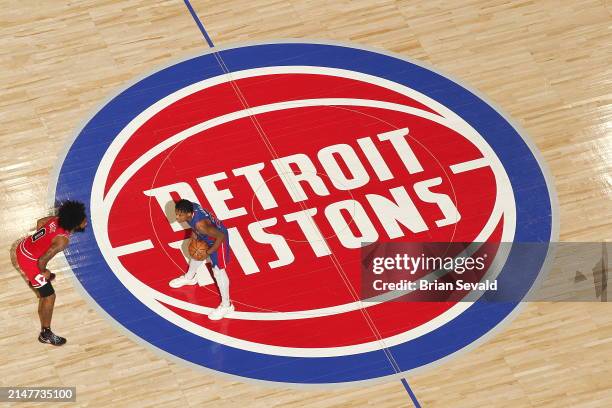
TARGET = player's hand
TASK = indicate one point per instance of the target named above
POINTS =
(47, 274)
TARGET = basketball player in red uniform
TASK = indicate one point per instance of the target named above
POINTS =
(33, 253)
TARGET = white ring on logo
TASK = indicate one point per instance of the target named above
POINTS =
(101, 206)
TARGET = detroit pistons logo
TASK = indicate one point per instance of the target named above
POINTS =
(307, 153)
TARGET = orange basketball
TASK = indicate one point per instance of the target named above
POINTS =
(197, 250)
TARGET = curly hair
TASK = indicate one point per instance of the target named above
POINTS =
(71, 214)
(184, 206)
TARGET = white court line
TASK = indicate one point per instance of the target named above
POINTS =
(132, 248)
(469, 165)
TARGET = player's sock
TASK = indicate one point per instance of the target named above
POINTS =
(193, 269)
(223, 283)
(189, 278)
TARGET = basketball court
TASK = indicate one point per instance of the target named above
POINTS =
(330, 138)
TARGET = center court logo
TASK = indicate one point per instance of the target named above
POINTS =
(305, 151)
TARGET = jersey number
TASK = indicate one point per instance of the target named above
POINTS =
(39, 234)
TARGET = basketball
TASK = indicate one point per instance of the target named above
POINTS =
(197, 250)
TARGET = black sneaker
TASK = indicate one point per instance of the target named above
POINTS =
(47, 336)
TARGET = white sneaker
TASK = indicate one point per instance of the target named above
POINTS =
(220, 312)
(181, 281)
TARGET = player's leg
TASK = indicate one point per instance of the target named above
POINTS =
(188, 278)
(46, 304)
(46, 297)
(45, 307)
(223, 284)
(219, 260)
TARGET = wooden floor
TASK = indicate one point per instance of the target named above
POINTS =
(545, 63)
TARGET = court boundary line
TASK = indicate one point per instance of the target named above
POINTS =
(199, 24)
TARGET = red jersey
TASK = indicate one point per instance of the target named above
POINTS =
(35, 246)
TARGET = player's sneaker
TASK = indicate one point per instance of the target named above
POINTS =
(220, 312)
(182, 281)
(47, 336)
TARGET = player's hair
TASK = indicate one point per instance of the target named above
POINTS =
(71, 214)
(184, 206)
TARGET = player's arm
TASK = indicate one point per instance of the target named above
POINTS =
(206, 228)
(58, 244)
(41, 222)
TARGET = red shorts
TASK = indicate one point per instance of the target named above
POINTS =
(29, 266)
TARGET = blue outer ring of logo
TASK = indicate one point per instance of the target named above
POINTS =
(533, 199)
